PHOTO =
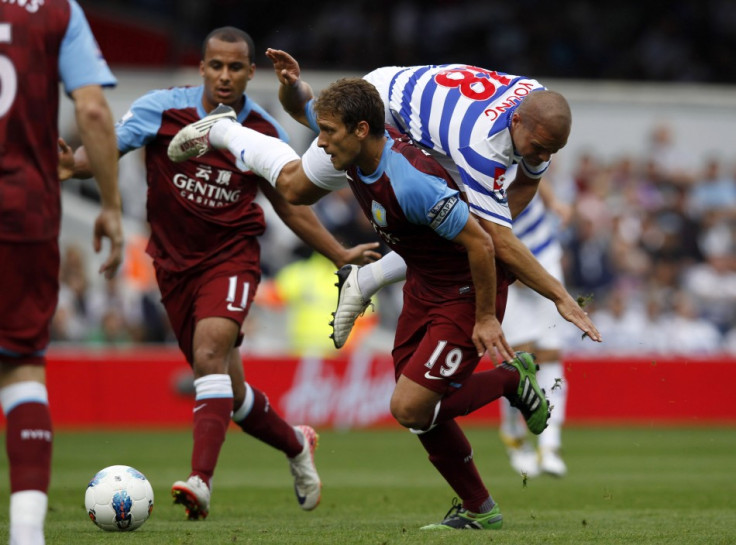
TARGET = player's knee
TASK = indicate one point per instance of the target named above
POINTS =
(208, 362)
(408, 415)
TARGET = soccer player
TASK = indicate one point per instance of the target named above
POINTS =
(543, 336)
(204, 228)
(454, 296)
(42, 43)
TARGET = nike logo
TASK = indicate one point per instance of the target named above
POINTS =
(198, 407)
(430, 377)
(301, 499)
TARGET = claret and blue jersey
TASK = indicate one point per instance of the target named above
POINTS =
(417, 210)
(200, 210)
(423, 198)
(34, 62)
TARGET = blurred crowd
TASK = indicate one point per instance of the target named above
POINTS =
(679, 40)
(650, 251)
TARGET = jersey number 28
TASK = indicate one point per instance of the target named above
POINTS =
(473, 82)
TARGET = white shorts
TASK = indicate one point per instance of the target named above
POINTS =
(532, 318)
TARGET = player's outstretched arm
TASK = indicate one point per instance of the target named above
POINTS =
(294, 93)
(306, 225)
(520, 261)
(97, 131)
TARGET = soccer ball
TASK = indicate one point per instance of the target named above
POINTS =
(119, 499)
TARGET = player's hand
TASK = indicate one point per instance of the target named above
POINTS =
(362, 254)
(109, 224)
(285, 66)
(66, 161)
(571, 311)
(487, 335)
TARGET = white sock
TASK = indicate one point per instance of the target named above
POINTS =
(27, 391)
(22, 534)
(27, 514)
(244, 410)
(551, 377)
(550, 438)
(264, 155)
(213, 386)
(512, 421)
(218, 133)
(387, 270)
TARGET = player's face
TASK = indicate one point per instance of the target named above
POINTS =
(341, 145)
(226, 70)
(535, 144)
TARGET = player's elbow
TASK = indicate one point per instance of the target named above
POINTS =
(502, 246)
(295, 186)
(291, 193)
(93, 112)
(91, 106)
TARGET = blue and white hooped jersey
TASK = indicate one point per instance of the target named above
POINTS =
(536, 227)
(464, 113)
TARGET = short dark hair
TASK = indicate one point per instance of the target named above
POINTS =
(232, 35)
(353, 100)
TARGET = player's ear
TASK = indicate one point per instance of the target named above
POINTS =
(362, 129)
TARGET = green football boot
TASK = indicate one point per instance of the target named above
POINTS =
(459, 518)
(529, 397)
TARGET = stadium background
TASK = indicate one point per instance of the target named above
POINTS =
(630, 71)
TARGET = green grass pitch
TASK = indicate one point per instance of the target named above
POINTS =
(629, 486)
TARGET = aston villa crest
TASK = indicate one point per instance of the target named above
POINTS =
(379, 214)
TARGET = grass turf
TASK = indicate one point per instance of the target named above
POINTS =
(625, 486)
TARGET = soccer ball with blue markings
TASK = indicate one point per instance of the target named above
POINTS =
(119, 499)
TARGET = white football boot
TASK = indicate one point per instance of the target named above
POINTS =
(551, 463)
(522, 457)
(194, 139)
(194, 495)
(350, 304)
(307, 484)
